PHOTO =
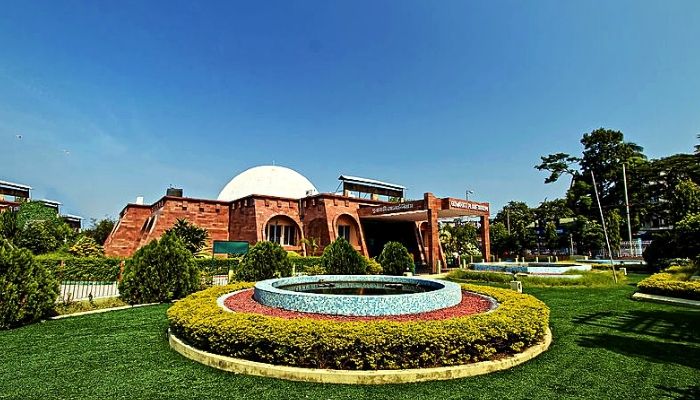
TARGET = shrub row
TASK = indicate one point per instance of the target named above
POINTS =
(586, 279)
(217, 266)
(68, 268)
(519, 322)
(669, 284)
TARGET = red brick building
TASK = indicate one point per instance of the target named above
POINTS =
(278, 204)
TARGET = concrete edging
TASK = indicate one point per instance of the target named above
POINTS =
(666, 299)
(240, 366)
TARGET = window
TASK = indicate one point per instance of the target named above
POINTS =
(344, 232)
(282, 234)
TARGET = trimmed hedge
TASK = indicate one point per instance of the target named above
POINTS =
(302, 264)
(670, 284)
(519, 322)
(479, 276)
(81, 268)
(588, 279)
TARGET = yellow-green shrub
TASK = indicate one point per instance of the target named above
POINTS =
(669, 284)
(519, 322)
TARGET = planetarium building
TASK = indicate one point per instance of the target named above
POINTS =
(278, 204)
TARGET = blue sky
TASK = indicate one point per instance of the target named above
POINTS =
(119, 99)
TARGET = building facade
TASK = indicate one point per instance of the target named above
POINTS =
(367, 223)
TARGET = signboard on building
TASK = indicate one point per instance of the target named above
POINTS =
(230, 247)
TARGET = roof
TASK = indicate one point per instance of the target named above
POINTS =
(69, 216)
(49, 202)
(15, 185)
(267, 180)
(370, 182)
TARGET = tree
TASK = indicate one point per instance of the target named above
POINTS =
(685, 200)
(558, 164)
(613, 221)
(265, 260)
(191, 235)
(340, 258)
(85, 246)
(28, 290)
(99, 230)
(395, 259)
(518, 219)
(37, 237)
(459, 238)
(161, 271)
(41, 229)
(551, 236)
(498, 235)
(588, 235)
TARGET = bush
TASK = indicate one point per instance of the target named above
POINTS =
(395, 259)
(374, 267)
(302, 264)
(36, 237)
(217, 266)
(69, 268)
(519, 322)
(28, 291)
(161, 271)
(340, 258)
(86, 246)
(673, 282)
(265, 260)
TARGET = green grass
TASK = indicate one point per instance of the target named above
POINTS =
(605, 346)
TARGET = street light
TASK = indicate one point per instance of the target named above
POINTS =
(467, 193)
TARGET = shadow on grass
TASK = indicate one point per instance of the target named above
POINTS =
(682, 326)
(690, 393)
(654, 351)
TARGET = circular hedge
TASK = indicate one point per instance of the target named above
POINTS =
(520, 321)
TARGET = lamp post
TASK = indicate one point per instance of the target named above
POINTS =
(467, 193)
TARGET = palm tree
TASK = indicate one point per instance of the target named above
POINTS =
(312, 243)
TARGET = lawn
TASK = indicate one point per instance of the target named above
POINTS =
(606, 346)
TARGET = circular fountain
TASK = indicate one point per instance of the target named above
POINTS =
(357, 295)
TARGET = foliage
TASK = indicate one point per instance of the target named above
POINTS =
(375, 268)
(588, 279)
(85, 246)
(265, 260)
(99, 230)
(340, 258)
(217, 266)
(613, 220)
(517, 216)
(161, 271)
(685, 200)
(36, 237)
(519, 322)
(9, 224)
(34, 211)
(588, 235)
(28, 291)
(69, 268)
(498, 233)
(458, 238)
(311, 243)
(670, 284)
(395, 259)
(191, 235)
(682, 242)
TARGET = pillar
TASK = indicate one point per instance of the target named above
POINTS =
(433, 233)
(485, 238)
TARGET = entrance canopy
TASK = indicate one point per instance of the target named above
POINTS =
(417, 211)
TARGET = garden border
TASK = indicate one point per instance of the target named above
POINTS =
(356, 377)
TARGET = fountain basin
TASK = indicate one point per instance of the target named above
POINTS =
(374, 295)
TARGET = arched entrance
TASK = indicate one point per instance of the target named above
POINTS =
(347, 227)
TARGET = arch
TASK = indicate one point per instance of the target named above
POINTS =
(282, 229)
(346, 225)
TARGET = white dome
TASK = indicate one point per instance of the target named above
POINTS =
(268, 180)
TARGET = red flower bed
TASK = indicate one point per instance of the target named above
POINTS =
(471, 304)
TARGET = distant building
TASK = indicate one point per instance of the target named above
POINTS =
(278, 204)
(12, 195)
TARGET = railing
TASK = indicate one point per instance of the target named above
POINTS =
(87, 290)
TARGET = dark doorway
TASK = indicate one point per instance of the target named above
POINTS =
(379, 233)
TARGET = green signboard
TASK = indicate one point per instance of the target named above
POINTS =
(226, 247)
